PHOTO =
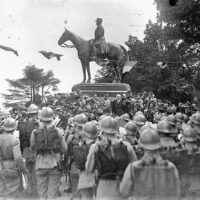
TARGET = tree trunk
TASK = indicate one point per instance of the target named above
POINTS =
(42, 93)
(31, 93)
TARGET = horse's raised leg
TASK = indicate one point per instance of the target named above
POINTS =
(84, 70)
(87, 64)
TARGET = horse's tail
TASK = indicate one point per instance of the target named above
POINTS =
(125, 52)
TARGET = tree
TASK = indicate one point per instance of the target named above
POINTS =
(31, 87)
(173, 40)
(183, 19)
(48, 81)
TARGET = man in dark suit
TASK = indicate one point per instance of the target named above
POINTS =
(117, 106)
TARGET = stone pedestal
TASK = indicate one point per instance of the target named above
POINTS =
(102, 88)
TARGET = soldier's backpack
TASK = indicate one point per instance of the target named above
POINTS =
(179, 157)
(155, 181)
(111, 159)
(46, 140)
(25, 129)
(192, 179)
(80, 153)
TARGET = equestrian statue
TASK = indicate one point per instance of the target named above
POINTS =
(97, 50)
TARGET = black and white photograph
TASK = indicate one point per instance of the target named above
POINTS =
(100, 99)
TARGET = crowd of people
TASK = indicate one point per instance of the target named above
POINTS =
(135, 147)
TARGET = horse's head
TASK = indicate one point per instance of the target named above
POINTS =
(65, 37)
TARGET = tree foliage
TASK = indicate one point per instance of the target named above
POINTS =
(174, 40)
(33, 86)
(183, 19)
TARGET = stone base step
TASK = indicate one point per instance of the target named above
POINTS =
(102, 88)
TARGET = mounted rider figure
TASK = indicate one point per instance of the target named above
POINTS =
(99, 44)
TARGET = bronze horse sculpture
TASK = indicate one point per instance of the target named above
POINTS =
(115, 53)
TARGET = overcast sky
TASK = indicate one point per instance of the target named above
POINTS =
(34, 25)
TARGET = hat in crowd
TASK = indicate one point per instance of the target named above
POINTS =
(149, 139)
(179, 117)
(9, 124)
(109, 125)
(190, 134)
(157, 117)
(90, 130)
(46, 114)
(140, 120)
(80, 120)
(171, 119)
(148, 125)
(164, 127)
(131, 128)
(4, 114)
(195, 118)
(125, 117)
(33, 109)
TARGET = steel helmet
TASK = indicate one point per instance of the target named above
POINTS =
(9, 124)
(169, 111)
(190, 134)
(164, 127)
(101, 117)
(33, 109)
(131, 128)
(81, 119)
(46, 114)
(109, 125)
(149, 139)
(171, 119)
(157, 117)
(147, 125)
(196, 118)
(139, 113)
(179, 117)
(4, 114)
(140, 120)
(90, 130)
(125, 117)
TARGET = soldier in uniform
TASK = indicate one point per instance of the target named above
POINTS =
(131, 132)
(86, 183)
(140, 121)
(99, 39)
(189, 140)
(73, 141)
(11, 161)
(195, 122)
(171, 119)
(191, 176)
(110, 156)
(179, 120)
(122, 121)
(49, 143)
(151, 177)
(3, 115)
(165, 130)
(25, 128)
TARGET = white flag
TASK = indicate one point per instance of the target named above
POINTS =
(128, 66)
